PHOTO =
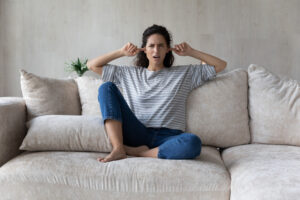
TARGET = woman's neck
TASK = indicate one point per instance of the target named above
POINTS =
(155, 67)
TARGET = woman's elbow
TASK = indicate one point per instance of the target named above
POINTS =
(89, 65)
(224, 65)
(221, 67)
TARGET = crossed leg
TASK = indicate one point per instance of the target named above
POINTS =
(183, 146)
(120, 151)
(141, 151)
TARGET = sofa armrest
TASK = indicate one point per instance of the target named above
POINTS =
(12, 127)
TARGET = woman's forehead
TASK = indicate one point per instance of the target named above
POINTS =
(156, 39)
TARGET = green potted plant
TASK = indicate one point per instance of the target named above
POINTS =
(77, 66)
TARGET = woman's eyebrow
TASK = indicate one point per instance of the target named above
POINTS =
(158, 44)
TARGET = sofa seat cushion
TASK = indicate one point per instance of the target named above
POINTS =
(78, 175)
(261, 171)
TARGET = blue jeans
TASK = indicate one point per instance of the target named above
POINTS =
(172, 143)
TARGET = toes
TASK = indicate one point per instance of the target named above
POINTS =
(106, 159)
(99, 159)
(112, 157)
(102, 160)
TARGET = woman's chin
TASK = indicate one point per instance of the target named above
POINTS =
(156, 61)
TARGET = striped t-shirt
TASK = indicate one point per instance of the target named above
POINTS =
(158, 98)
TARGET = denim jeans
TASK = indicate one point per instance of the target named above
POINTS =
(172, 143)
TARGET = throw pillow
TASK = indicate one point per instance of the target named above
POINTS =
(66, 133)
(274, 107)
(88, 92)
(217, 111)
(45, 96)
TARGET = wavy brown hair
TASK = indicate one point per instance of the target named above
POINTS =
(141, 58)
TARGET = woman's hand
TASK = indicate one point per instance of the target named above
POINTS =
(130, 49)
(183, 49)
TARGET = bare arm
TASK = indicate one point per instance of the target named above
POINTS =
(184, 49)
(97, 63)
(209, 59)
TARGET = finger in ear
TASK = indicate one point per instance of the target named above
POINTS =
(142, 49)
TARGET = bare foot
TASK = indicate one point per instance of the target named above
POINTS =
(116, 154)
(135, 151)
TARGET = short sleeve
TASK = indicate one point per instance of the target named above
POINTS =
(200, 74)
(111, 73)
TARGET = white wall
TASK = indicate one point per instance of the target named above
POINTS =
(40, 36)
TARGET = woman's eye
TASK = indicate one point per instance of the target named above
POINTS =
(152, 46)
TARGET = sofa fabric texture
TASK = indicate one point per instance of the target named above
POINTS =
(49, 96)
(131, 178)
(274, 107)
(66, 133)
(261, 171)
(12, 127)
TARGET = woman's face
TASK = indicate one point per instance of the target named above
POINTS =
(156, 49)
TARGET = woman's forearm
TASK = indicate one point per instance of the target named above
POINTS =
(104, 59)
(209, 59)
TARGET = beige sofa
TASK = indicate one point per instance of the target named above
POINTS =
(248, 120)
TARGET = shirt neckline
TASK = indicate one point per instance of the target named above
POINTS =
(155, 71)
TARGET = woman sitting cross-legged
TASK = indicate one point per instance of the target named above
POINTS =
(149, 120)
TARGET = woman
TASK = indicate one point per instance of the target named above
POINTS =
(151, 121)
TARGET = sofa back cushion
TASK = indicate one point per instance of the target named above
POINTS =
(48, 96)
(274, 108)
(217, 111)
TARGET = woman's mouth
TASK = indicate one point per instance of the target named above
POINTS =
(156, 57)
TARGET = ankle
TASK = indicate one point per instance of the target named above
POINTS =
(118, 148)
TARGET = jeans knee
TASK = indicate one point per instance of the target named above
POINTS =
(190, 148)
(104, 86)
(195, 145)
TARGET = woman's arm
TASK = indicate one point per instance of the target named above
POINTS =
(96, 64)
(185, 49)
(209, 59)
